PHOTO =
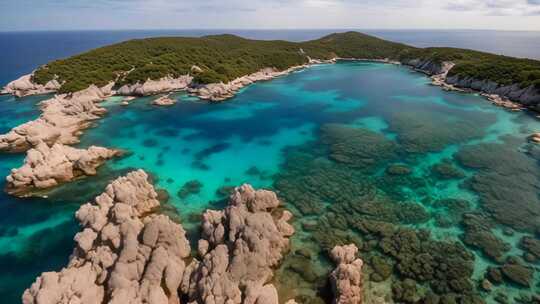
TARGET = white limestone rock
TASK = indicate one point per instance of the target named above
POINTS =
(125, 252)
(45, 167)
(222, 91)
(24, 86)
(62, 120)
(239, 247)
(153, 87)
(346, 278)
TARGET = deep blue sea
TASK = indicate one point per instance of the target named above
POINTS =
(435, 187)
(24, 51)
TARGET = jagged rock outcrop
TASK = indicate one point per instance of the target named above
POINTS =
(346, 278)
(124, 254)
(152, 87)
(62, 119)
(46, 167)
(529, 96)
(24, 86)
(239, 247)
(223, 91)
(498, 94)
(164, 101)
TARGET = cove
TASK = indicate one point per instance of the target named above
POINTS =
(360, 152)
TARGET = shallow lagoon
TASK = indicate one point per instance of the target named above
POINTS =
(360, 152)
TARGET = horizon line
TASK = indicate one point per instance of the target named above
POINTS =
(263, 29)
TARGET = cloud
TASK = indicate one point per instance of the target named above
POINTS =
(140, 14)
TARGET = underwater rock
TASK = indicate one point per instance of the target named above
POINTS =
(445, 170)
(450, 211)
(478, 234)
(381, 267)
(518, 274)
(398, 169)
(357, 148)
(164, 101)
(346, 278)
(190, 188)
(405, 291)
(121, 236)
(532, 247)
(62, 119)
(494, 275)
(45, 167)
(239, 247)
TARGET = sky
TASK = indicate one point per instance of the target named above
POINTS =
(18, 15)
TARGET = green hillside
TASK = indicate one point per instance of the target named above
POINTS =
(225, 57)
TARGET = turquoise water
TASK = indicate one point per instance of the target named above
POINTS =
(360, 152)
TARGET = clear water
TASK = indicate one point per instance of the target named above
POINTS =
(282, 134)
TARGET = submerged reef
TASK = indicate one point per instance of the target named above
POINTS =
(388, 214)
(507, 181)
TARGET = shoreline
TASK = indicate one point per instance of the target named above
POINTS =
(75, 112)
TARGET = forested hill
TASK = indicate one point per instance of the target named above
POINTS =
(226, 57)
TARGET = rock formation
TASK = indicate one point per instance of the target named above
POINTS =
(46, 167)
(164, 101)
(223, 91)
(152, 87)
(346, 279)
(62, 119)
(239, 247)
(124, 254)
(24, 86)
(499, 94)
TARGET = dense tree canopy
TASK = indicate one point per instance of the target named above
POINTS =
(225, 57)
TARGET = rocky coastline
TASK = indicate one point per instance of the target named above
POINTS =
(46, 167)
(129, 253)
(62, 119)
(511, 97)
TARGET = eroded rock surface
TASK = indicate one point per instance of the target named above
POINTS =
(152, 87)
(125, 253)
(346, 279)
(46, 167)
(62, 119)
(239, 247)
(24, 86)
